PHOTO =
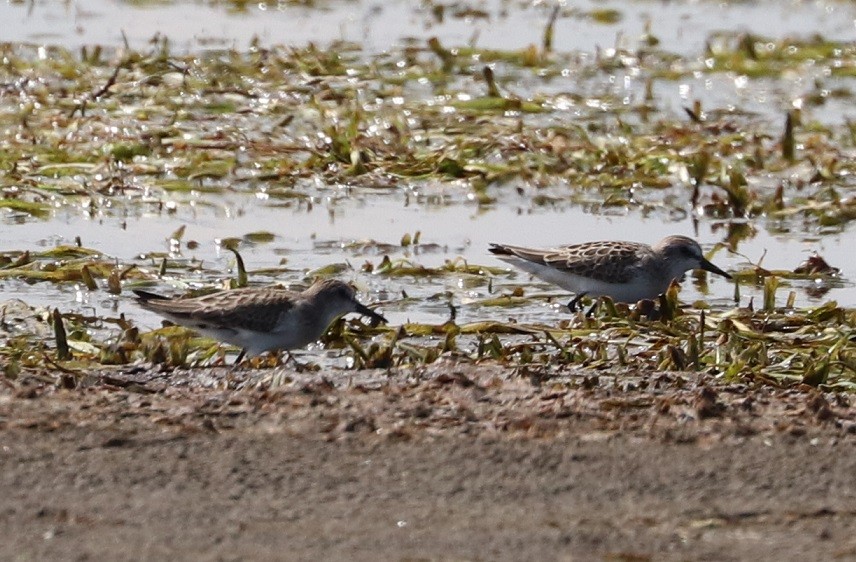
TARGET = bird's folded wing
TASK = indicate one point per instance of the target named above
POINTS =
(612, 267)
(259, 311)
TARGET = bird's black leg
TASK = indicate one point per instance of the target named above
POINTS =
(592, 308)
(572, 305)
(240, 357)
(298, 366)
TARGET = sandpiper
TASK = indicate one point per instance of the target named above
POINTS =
(260, 319)
(624, 271)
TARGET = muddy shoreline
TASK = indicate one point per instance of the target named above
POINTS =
(452, 461)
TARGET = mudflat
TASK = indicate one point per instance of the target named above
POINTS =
(453, 461)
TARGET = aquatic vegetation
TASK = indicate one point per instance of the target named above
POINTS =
(152, 121)
(774, 345)
(122, 133)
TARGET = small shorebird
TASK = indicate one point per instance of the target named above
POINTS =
(624, 271)
(260, 319)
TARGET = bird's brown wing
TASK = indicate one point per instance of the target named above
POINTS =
(611, 262)
(257, 309)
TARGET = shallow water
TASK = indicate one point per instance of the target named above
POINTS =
(451, 226)
(348, 230)
(681, 27)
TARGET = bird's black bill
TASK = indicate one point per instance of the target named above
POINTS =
(366, 311)
(707, 266)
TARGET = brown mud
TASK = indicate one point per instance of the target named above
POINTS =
(451, 461)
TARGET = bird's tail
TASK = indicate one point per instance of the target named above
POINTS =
(145, 296)
(500, 250)
(507, 253)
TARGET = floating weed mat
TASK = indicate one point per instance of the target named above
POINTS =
(106, 130)
(782, 347)
(778, 345)
(757, 56)
(67, 263)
